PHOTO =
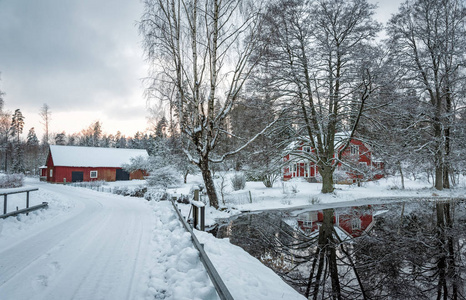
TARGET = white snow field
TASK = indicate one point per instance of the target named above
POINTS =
(91, 245)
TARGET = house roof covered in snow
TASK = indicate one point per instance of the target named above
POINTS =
(340, 138)
(73, 156)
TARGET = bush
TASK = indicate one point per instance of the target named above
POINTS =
(238, 182)
(11, 181)
(156, 195)
(164, 177)
(268, 177)
(139, 191)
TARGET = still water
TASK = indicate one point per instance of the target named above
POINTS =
(410, 250)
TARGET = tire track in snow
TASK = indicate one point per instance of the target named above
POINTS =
(21, 255)
(97, 254)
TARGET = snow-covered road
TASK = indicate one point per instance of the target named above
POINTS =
(97, 250)
(90, 245)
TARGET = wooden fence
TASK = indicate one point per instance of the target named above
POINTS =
(217, 281)
(26, 210)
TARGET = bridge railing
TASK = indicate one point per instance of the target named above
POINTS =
(6, 192)
(217, 281)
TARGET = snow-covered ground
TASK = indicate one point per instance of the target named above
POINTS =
(94, 245)
(86, 245)
(297, 192)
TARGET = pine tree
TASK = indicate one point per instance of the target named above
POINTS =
(16, 129)
(32, 152)
(60, 138)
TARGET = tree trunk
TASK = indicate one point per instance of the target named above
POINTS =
(185, 177)
(209, 183)
(327, 179)
(402, 177)
(438, 157)
(446, 164)
(439, 177)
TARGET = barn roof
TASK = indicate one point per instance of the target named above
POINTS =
(73, 156)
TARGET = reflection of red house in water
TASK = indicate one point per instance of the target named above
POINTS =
(353, 221)
(298, 160)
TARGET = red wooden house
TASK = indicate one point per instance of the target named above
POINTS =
(353, 222)
(358, 158)
(75, 164)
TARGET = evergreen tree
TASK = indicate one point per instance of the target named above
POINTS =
(161, 128)
(16, 129)
(60, 138)
(32, 152)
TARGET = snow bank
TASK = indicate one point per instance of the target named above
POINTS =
(13, 229)
(177, 272)
(245, 276)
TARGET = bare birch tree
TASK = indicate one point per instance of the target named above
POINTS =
(428, 42)
(199, 52)
(46, 116)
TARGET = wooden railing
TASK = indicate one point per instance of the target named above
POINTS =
(5, 194)
(217, 281)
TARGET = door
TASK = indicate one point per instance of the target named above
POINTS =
(122, 174)
(77, 176)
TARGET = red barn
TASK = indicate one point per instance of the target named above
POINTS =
(358, 157)
(75, 164)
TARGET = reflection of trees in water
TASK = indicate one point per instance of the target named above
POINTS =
(417, 254)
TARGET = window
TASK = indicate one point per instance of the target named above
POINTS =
(356, 224)
(354, 149)
(93, 174)
(51, 172)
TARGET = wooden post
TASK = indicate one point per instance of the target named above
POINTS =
(195, 216)
(196, 195)
(202, 218)
(27, 201)
(4, 204)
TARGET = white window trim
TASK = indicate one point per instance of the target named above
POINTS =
(356, 224)
(354, 149)
(96, 174)
(51, 172)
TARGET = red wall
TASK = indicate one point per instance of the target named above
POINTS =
(64, 174)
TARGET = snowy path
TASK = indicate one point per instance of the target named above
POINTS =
(97, 251)
(90, 245)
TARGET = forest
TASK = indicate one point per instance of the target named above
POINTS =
(232, 83)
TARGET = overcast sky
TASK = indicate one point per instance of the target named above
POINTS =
(83, 58)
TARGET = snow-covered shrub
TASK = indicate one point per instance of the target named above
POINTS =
(268, 176)
(340, 176)
(138, 191)
(124, 191)
(238, 181)
(269, 179)
(11, 180)
(294, 189)
(164, 177)
(313, 200)
(136, 163)
(156, 194)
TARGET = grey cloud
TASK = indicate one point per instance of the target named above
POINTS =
(68, 53)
